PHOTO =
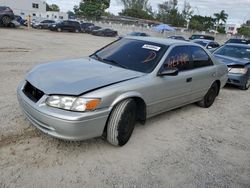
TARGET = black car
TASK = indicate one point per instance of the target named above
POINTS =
(68, 25)
(176, 37)
(141, 34)
(105, 32)
(238, 41)
(85, 26)
(92, 28)
(6, 15)
(207, 37)
(43, 24)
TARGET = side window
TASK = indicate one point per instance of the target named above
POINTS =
(179, 58)
(200, 57)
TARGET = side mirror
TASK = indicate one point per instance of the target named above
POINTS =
(169, 72)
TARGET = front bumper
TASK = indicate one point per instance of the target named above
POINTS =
(63, 124)
(237, 79)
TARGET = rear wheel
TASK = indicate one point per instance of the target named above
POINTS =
(77, 30)
(59, 29)
(6, 20)
(209, 98)
(121, 122)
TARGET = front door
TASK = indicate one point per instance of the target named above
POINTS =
(173, 91)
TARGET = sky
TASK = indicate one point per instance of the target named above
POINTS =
(238, 10)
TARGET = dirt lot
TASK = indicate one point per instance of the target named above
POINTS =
(187, 147)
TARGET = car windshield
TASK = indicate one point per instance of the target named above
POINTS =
(202, 43)
(241, 52)
(132, 54)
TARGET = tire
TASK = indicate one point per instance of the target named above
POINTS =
(40, 27)
(246, 86)
(121, 122)
(59, 29)
(6, 20)
(77, 30)
(210, 96)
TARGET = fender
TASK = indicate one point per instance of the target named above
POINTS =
(125, 96)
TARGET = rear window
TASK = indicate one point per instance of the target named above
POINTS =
(133, 54)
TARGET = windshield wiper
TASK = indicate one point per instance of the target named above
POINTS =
(97, 57)
(113, 62)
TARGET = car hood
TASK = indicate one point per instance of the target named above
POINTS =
(76, 77)
(230, 60)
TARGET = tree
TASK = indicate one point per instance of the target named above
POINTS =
(91, 8)
(71, 15)
(168, 13)
(244, 30)
(137, 8)
(52, 7)
(187, 12)
(201, 23)
(220, 17)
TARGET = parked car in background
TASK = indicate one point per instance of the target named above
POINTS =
(20, 20)
(85, 25)
(67, 25)
(141, 34)
(129, 80)
(43, 24)
(90, 29)
(208, 44)
(238, 41)
(176, 37)
(207, 37)
(237, 58)
(6, 15)
(14, 24)
(105, 32)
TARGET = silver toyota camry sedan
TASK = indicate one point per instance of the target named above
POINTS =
(125, 82)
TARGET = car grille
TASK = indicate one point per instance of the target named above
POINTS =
(32, 93)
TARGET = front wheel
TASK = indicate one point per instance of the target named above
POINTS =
(59, 29)
(209, 98)
(121, 122)
(246, 86)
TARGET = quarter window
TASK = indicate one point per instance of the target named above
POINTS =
(178, 58)
(200, 57)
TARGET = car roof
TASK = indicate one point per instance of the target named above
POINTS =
(164, 41)
(203, 40)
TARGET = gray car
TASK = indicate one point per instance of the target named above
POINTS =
(237, 58)
(129, 80)
(208, 44)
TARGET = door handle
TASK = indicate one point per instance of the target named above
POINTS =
(189, 79)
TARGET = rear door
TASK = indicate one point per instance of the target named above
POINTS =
(203, 73)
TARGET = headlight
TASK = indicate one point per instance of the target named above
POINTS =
(73, 103)
(242, 70)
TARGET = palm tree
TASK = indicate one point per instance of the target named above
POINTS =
(222, 16)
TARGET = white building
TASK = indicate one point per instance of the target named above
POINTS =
(231, 28)
(34, 8)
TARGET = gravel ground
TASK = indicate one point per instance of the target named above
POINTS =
(187, 147)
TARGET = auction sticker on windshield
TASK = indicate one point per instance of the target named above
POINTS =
(151, 47)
